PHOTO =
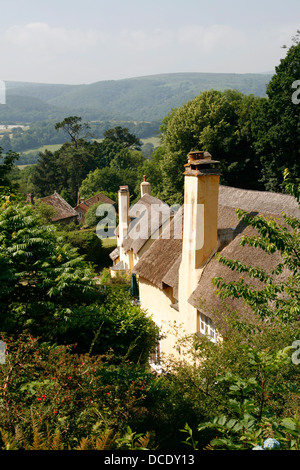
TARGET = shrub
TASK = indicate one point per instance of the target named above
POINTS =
(52, 391)
(87, 243)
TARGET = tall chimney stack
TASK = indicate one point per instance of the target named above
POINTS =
(201, 195)
(123, 203)
(200, 224)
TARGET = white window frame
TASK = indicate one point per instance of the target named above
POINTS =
(207, 326)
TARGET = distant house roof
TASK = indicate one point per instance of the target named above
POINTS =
(85, 204)
(62, 207)
(160, 264)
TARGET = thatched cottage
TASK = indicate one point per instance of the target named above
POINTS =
(175, 272)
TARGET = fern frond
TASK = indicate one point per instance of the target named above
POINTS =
(57, 443)
(84, 444)
(10, 443)
(105, 441)
(143, 442)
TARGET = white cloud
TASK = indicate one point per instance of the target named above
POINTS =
(39, 51)
(42, 37)
(210, 38)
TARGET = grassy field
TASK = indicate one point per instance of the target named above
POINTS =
(109, 242)
(51, 147)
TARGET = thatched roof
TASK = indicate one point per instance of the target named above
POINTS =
(205, 297)
(263, 201)
(160, 264)
(63, 209)
(147, 216)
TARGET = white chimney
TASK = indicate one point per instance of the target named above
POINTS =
(123, 203)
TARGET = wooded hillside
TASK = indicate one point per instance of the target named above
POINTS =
(147, 98)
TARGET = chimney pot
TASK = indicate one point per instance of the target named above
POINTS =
(200, 163)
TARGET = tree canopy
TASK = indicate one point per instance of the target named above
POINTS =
(5, 168)
(215, 121)
(276, 123)
(74, 128)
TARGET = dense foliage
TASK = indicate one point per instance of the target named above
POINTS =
(5, 169)
(66, 169)
(218, 122)
(48, 289)
(276, 122)
(54, 399)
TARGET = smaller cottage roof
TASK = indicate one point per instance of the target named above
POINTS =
(85, 204)
(160, 262)
(62, 207)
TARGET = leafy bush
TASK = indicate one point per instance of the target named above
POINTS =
(87, 243)
(52, 396)
(49, 290)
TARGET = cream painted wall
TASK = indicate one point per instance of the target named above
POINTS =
(158, 302)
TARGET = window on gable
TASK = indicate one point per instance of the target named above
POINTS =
(206, 326)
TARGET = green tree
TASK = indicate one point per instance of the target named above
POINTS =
(124, 137)
(46, 176)
(45, 284)
(74, 128)
(49, 290)
(110, 179)
(6, 166)
(276, 123)
(63, 170)
(218, 122)
(127, 159)
(104, 179)
(91, 217)
(6, 143)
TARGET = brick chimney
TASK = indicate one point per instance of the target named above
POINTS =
(145, 187)
(200, 225)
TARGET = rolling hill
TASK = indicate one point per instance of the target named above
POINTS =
(147, 98)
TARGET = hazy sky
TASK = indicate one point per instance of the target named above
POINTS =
(62, 41)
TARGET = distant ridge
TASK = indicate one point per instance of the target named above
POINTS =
(147, 98)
